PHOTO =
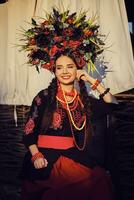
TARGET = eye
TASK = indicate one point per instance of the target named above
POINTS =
(71, 66)
(58, 68)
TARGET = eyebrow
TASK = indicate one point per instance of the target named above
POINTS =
(67, 65)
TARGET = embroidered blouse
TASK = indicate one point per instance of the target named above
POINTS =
(60, 126)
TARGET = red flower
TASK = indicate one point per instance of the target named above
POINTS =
(74, 44)
(46, 32)
(46, 66)
(29, 126)
(70, 20)
(52, 63)
(56, 120)
(46, 49)
(45, 23)
(81, 62)
(54, 50)
(65, 43)
(68, 32)
(32, 41)
(88, 33)
(57, 39)
(35, 62)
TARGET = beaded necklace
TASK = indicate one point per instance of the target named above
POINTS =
(62, 100)
(85, 137)
(65, 104)
(71, 121)
(70, 115)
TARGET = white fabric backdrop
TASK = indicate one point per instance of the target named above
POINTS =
(19, 83)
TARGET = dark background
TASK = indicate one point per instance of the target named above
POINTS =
(130, 14)
(130, 10)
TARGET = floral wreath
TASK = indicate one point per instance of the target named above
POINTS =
(63, 33)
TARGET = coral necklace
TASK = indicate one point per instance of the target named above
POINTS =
(71, 117)
(61, 96)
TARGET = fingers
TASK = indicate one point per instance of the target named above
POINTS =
(46, 163)
(81, 74)
(81, 77)
(40, 163)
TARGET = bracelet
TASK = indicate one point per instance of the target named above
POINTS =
(94, 86)
(104, 93)
(37, 155)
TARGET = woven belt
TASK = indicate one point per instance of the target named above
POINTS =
(55, 142)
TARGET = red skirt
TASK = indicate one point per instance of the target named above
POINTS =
(69, 181)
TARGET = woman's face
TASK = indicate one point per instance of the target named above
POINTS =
(65, 70)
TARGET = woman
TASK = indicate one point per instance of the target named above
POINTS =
(58, 133)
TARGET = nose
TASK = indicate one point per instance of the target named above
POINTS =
(65, 70)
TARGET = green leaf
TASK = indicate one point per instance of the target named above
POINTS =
(37, 68)
(33, 22)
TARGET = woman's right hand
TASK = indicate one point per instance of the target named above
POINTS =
(40, 163)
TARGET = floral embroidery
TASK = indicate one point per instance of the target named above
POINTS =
(56, 120)
(38, 100)
(78, 117)
(29, 126)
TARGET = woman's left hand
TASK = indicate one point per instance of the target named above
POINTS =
(108, 98)
(82, 74)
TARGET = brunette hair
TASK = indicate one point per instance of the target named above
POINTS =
(51, 104)
(85, 99)
(87, 108)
